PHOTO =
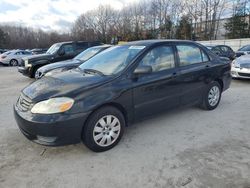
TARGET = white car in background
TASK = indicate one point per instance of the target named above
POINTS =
(241, 67)
(13, 57)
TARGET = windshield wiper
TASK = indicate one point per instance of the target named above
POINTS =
(93, 71)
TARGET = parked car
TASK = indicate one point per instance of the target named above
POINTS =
(57, 52)
(123, 84)
(12, 58)
(241, 67)
(53, 68)
(243, 51)
(222, 51)
(36, 51)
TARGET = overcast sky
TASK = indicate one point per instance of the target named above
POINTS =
(50, 14)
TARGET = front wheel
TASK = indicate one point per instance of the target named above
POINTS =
(212, 96)
(104, 129)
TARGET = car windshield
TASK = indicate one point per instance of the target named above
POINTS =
(245, 48)
(53, 49)
(86, 54)
(113, 60)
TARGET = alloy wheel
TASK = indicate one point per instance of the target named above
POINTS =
(106, 130)
(13, 62)
(214, 95)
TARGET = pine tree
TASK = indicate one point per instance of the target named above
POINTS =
(237, 26)
(184, 29)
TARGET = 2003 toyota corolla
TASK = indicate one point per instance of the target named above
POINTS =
(124, 83)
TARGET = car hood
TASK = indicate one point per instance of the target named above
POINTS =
(68, 83)
(31, 58)
(243, 59)
(61, 64)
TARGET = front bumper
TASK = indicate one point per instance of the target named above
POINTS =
(240, 73)
(51, 130)
(25, 71)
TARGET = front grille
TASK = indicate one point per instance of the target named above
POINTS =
(244, 74)
(245, 65)
(23, 103)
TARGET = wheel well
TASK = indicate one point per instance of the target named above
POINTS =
(221, 83)
(34, 69)
(116, 105)
(14, 59)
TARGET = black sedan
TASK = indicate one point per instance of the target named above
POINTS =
(121, 85)
(222, 51)
(61, 66)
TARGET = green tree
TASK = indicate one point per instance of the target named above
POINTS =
(184, 28)
(3, 38)
(237, 26)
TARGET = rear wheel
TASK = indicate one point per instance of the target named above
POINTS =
(103, 129)
(212, 96)
(13, 62)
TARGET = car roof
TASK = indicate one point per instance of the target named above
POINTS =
(214, 45)
(102, 46)
(155, 41)
(69, 42)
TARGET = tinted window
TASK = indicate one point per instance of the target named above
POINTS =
(159, 58)
(245, 48)
(27, 53)
(225, 49)
(82, 45)
(189, 54)
(68, 48)
(204, 56)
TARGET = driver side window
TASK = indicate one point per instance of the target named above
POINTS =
(68, 48)
(159, 58)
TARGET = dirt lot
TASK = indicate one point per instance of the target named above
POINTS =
(185, 147)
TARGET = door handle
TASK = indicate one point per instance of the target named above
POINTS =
(207, 66)
(174, 75)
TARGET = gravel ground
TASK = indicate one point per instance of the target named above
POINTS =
(182, 148)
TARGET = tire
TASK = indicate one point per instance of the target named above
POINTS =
(33, 72)
(13, 62)
(99, 135)
(212, 96)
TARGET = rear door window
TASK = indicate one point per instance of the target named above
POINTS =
(69, 49)
(190, 54)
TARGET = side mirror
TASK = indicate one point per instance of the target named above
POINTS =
(61, 52)
(143, 70)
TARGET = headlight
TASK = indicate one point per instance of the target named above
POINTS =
(55, 71)
(26, 63)
(53, 105)
(235, 64)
